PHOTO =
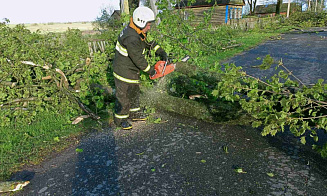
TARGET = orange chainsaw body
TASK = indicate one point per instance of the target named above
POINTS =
(162, 69)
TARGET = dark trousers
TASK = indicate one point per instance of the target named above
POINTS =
(127, 99)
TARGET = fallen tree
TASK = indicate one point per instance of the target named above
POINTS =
(231, 95)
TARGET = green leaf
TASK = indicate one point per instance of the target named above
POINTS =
(310, 111)
(79, 150)
(320, 81)
(225, 149)
(215, 93)
(56, 139)
(240, 171)
(256, 124)
(266, 63)
(303, 141)
(140, 153)
(315, 138)
(158, 120)
(203, 161)
(270, 174)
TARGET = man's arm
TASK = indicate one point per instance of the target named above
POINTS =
(135, 52)
(158, 50)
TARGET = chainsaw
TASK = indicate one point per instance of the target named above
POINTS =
(163, 68)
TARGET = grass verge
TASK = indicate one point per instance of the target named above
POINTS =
(30, 144)
(247, 40)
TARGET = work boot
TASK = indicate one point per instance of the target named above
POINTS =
(126, 125)
(138, 116)
(123, 123)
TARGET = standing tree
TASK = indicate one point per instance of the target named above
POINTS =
(154, 9)
(133, 4)
(278, 6)
(252, 4)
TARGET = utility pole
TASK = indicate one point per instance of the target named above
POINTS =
(288, 8)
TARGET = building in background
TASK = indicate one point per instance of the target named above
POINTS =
(270, 9)
(224, 10)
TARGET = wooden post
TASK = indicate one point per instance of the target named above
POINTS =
(309, 4)
(288, 8)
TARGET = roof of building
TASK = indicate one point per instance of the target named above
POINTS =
(205, 3)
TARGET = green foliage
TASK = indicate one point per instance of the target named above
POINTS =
(25, 94)
(275, 104)
(281, 101)
(181, 37)
(308, 19)
(47, 72)
(267, 62)
(43, 80)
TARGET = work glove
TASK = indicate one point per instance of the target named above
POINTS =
(163, 55)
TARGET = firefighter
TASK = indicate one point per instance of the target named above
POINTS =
(128, 62)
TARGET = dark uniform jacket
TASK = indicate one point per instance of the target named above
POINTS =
(130, 56)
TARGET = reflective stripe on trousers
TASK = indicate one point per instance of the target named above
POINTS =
(127, 98)
(126, 79)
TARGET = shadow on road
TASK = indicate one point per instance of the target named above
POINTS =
(96, 168)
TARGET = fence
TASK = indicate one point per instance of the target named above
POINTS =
(250, 23)
(96, 46)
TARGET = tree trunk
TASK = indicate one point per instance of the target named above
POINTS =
(154, 9)
(278, 6)
(124, 7)
(309, 4)
(254, 5)
(250, 5)
(197, 105)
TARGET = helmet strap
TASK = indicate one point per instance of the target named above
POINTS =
(138, 30)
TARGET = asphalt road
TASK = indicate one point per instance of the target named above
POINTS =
(304, 54)
(180, 156)
(185, 156)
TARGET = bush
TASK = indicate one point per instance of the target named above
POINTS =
(308, 19)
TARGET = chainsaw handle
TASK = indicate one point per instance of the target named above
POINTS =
(173, 59)
(163, 71)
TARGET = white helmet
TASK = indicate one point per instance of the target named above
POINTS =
(142, 15)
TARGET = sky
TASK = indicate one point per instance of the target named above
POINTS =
(45, 11)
